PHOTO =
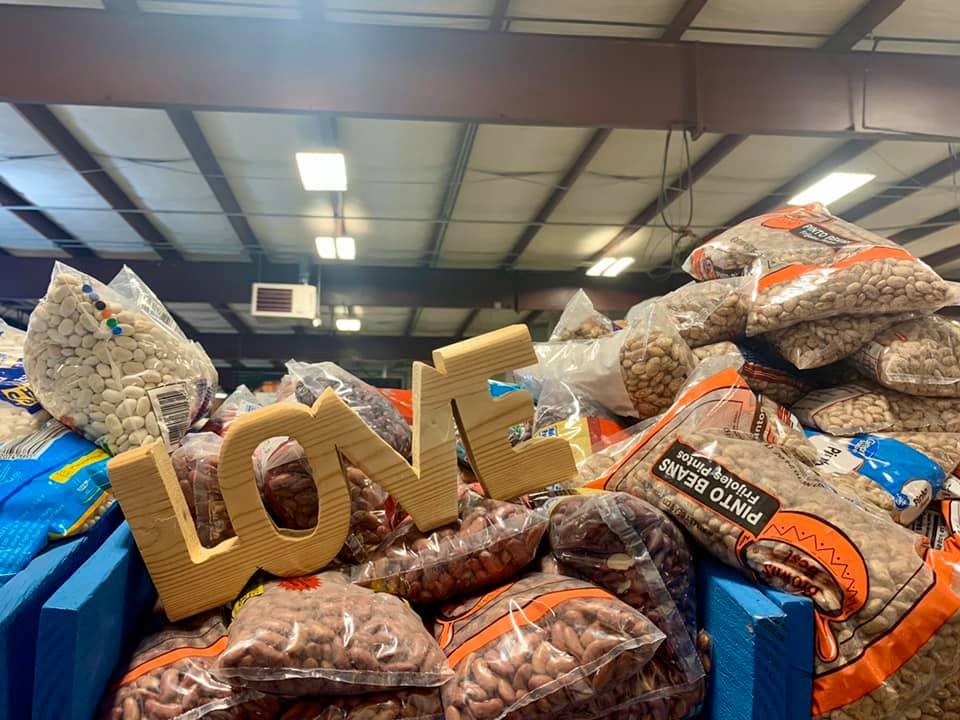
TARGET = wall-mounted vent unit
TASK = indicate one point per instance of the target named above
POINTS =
(275, 300)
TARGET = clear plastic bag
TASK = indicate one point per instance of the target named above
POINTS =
(817, 343)
(493, 541)
(718, 349)
(539, 646)
(704, 313)
(757, 509)
(283, 475)
(857, 408)
(109, 362)
(866, 276)
(654, 361)
(808, 234)
(20, 412)
(239, 402)
(591, 365)
(196, 463)
(917, 357)
(168, 676)
(581, 321)
(566, 411)
(397, 705)
(310, 380)
(321, 635)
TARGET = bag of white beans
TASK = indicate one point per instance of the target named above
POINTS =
(20, 412)
(581, 321)
(110, 362)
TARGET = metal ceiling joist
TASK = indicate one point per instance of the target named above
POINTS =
(498, 15)
(235, 321)
(861, 24)
(43, 224)
(682, 20)
(904, 188)
(228, 282)
(778, 198)
(467, 322)
(929, 227)
(580, 163)
(313, 347)
(726, 145)
(468, 135)
(192, 136)
(55, 132)
(151, 60)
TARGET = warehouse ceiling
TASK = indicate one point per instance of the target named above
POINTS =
(460, 226)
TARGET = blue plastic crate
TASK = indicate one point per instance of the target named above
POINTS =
(20, 602)
(92, 619)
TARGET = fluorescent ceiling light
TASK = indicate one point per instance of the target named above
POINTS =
(601, 265)
(317, 322)
(322, 171)
(833, 187)
(326, 248)
(618, 267)
(346, 248)
(348, 324)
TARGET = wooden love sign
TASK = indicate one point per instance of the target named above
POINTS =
(191, 578)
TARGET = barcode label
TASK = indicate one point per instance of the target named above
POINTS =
(32, 446)
(171, 405)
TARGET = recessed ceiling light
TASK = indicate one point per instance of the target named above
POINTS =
(833, 187)
(326, 248)
(346, 248)
(348, 324)
(317, 322)
(322, 171)
(618, 267)
(600, 265)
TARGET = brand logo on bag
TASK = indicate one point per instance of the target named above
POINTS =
(191, 578)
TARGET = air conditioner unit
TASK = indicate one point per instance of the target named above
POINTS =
(276, 300)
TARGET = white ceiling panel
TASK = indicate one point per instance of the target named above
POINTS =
(922, 19)
(546, 27)
(624, 177)
(265, 326)
(910, 46)
(378, 320)
(286, 9)
(440, 322)
(658, 12)
(513, 170)
(489, 319)
(950, 270)
(892, 162)
(450, 7)
(945, 238)
(476, 245)
(720, 35)
(564, 247)
(426, 20)
(396, 168)
(912, 210)
(752, 171)
(143, 153)
(37, 172)
(290, 238)
(812, 16)
(202, 316)
(389, 243)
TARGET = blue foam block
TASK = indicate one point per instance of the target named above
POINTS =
(90, 620)
(755, 677)
(798, 651)
(20, 603)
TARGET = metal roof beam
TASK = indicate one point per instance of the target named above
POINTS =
(192, 136)
(312, 348)
(682, 20)
(107, 58)
(43, 224)
(42, 119)
(861, 24)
